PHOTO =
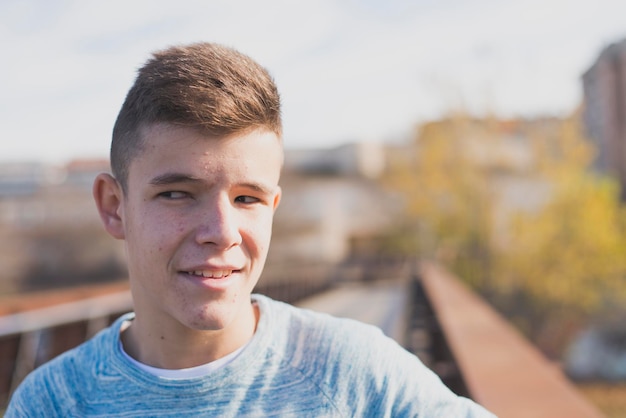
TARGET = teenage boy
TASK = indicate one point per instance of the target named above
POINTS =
(196, 157)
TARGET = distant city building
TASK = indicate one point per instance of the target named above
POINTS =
(49, 224)
(81, 173)
(361, 159)
(330, 197)
(23, 179)
(506, 152)
(604, 86)
(50, 231)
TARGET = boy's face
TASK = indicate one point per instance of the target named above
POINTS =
(197, 220)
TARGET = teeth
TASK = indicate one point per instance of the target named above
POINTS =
(216, 274)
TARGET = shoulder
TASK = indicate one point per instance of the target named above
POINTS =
(57, 385)
(359, 369)
(318, 333)
(339, 355)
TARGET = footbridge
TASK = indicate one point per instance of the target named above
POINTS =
(474, 350)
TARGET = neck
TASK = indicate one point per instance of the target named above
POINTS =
(180, 347)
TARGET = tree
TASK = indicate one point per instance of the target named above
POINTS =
(571, 255)
(448, 200)
(563, 262)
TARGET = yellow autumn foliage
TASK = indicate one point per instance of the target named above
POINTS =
(573, 252)
(570, 253)
(448, 199)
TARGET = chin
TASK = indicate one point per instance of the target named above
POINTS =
(213, 318)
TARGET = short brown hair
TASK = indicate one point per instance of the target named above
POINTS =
(206, 86)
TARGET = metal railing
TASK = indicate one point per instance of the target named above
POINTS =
(496, 366)
(28, 339)
(31, 338)
(474, 350)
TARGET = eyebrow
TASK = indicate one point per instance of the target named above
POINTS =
(258, 187)
(171, 178)
(176, 178)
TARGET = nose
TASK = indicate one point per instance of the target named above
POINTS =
(219, 225)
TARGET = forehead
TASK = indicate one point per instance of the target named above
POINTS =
(165, 147)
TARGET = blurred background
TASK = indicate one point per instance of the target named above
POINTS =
(488, 136)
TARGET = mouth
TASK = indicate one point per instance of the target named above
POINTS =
(216, 280)
(211, 274)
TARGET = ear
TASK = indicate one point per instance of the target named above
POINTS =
(108, 195)
(277, 197)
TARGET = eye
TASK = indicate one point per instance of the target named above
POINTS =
(174, 195)
(246, 199)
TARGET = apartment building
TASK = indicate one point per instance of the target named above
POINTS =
(604, 87)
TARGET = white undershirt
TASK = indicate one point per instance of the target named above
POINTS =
(188, 373)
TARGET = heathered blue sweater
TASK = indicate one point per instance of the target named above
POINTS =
(298, 364)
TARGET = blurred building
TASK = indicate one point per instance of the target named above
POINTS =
(362, 159)
(505, 152)
(330, 198)
(36, 194)
(604, 86)
(50, 231)
(51, 234)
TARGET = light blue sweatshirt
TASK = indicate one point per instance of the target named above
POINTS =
(298, 364)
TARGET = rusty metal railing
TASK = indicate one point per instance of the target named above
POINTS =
(31, 337)
(499, 368)
(474, 350)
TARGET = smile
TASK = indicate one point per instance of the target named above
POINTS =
(211, 274)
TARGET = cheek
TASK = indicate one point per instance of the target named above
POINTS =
(156, 233)
(167, 233)
(261, 231)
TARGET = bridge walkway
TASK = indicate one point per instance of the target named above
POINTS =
(382, 303)
(454, 332)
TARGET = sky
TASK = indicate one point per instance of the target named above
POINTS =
(347, 70)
